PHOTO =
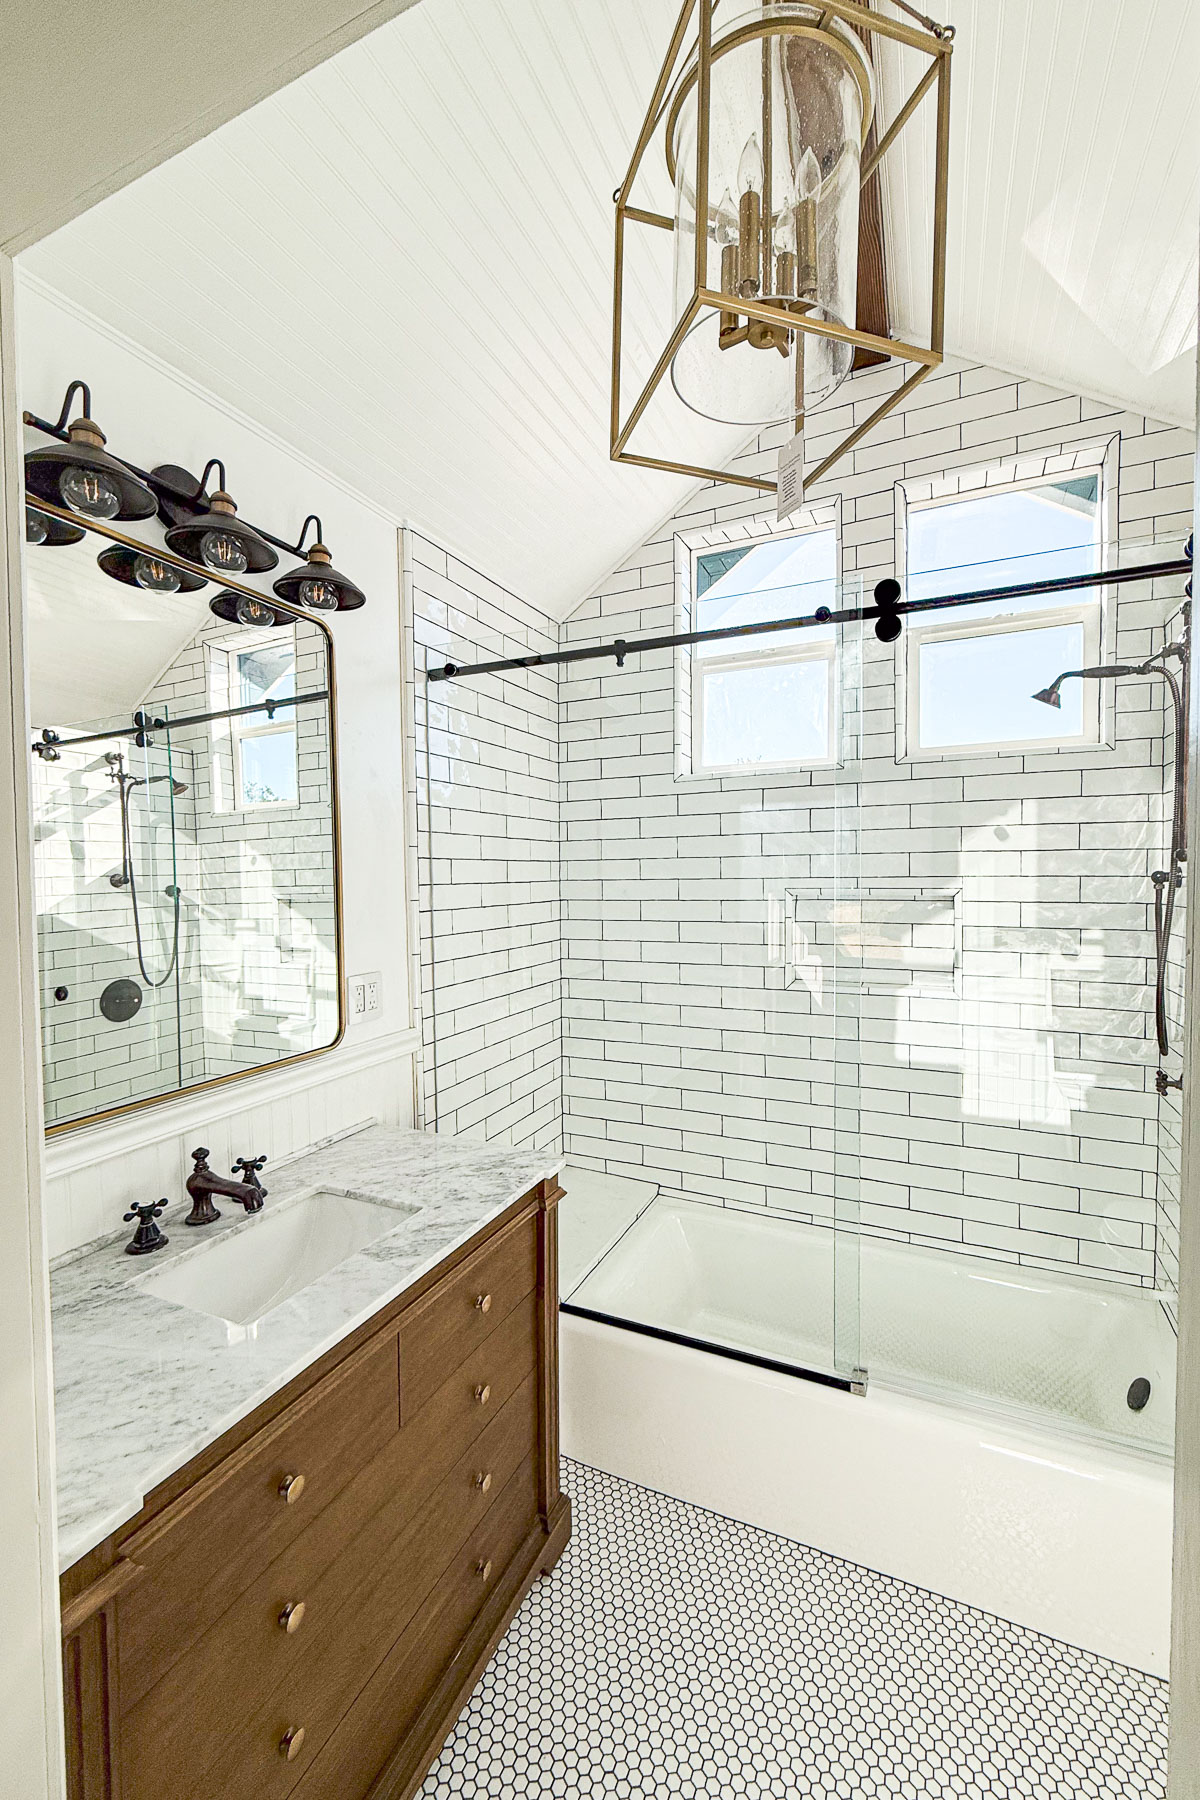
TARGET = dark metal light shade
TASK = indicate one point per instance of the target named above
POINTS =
(121, 564)
(230, 605)
(318, 573)
(45, 468)
(220, 517)
(44, 528)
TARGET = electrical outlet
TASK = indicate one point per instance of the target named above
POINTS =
(364, 993)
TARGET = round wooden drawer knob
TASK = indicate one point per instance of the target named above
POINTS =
(483, 1303)
(292, 1616)
(483, 1480)
(484, 1570)
(483, 1393)
(291, 1743)
(291, 1488)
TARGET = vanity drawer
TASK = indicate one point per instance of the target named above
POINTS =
(184, 1746)
(206, 1548)
(442, 1329)
(348, 1544)
(386, 1709)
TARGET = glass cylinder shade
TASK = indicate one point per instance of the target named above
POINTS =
(790, 104)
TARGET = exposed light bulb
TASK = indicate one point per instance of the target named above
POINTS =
(785, 224)
(321, 596)
(223, 552)
(725, 226)
(808, 176)
(36, 528)
(90, 491)
(254, 612)
(750, 168)
(158, 577)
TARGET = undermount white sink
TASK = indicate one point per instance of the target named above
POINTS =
(277, 1253)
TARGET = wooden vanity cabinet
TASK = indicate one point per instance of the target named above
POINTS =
(306, 1606)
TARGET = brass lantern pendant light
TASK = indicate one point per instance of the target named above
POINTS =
(791, 102)
(769, 121)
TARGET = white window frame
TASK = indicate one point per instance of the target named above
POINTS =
(789, 657)
(251, 725)
(691, 667)
(1091, 610)
(1089, 614)
(243, 734)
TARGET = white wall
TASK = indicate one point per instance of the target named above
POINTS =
(92, 96)
(1016, 1115)
(30, 1667)
(151, 415)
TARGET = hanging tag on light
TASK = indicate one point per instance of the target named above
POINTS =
(790, 493)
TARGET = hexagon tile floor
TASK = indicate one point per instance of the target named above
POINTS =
(678, 1655)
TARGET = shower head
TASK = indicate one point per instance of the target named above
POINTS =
(177, 787)
(1050, 696)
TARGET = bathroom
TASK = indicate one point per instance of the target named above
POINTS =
(650, 1012)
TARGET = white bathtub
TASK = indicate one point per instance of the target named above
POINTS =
(994, 1457)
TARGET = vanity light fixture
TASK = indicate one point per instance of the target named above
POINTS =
(316, 584)
(245, 609)
(141, 568)
(216, 537)
(44, 528)
(80, 473)
(201, 528)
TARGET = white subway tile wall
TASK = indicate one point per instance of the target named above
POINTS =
(1006, 1106)
(486, 758)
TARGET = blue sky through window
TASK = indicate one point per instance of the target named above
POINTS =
(779, 578)
(1005, 537)
(976, 689)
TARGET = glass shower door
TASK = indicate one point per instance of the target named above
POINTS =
(106, 878)
(711, 992)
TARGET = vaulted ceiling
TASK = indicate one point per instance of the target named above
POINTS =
(402, 262)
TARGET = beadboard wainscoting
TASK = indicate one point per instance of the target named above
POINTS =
(93, 1176)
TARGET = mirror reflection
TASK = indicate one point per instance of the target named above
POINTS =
(185, 849)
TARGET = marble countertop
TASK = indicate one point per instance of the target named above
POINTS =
(142, 1385)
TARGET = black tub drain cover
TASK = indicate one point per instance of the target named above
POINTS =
(1139, 1393)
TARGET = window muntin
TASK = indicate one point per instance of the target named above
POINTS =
(764, 702)
(971, 673)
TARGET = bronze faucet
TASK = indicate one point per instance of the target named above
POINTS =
(203, 1183)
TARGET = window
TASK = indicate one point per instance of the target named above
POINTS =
(265, 747)
(973, 673)
(254, 761)
(766, 702)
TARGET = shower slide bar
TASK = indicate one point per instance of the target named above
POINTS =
(887, 612)
(50, 744)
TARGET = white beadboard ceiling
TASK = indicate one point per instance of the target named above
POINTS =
(402, 262)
